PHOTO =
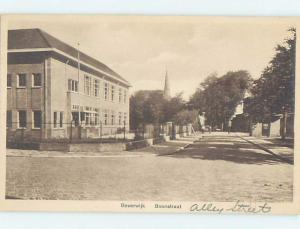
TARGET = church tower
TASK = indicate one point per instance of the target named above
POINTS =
(167, 93)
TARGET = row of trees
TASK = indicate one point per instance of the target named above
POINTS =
(150, 107)
(272, 94)
(217, 96)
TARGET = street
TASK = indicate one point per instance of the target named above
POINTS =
(218, 167)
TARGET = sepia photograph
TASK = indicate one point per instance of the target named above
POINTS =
(138, 109)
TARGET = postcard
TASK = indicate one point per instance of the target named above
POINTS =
(183, 114)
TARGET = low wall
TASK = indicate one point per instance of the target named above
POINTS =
(54, 146)
(97, 147)
(86, 147)
(23, 145)
(139, 144)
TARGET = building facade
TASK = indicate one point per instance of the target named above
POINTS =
(56, 91)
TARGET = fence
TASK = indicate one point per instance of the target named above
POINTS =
(69, 132)
(147, 131)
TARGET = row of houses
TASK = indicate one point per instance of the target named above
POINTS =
(54, 89)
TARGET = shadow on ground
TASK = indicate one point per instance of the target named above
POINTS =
(226, 149)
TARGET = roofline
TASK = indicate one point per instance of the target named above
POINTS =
(70, 57)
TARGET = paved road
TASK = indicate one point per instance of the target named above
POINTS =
(216, 168)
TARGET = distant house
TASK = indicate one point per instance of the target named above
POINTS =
(54, 90)
(273, 127)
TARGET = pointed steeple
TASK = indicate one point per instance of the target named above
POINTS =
(167, 93)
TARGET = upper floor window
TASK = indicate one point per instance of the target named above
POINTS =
(87, 85)
(112, 92)
(21, 80)
(73, 85)
(36, 80)
(9, 82)
(125, 96)
(105, 91)
(96, 88)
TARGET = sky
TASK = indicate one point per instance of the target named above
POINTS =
(142, 49)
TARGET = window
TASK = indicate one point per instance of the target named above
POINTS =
(8, 119)
(22, 80)
(91, 116)
(120, 95)
(120, 118)
(22, 119)
(112, 92)
(87, 85)
(96, 117)
(125, 96)
(37, 119)
(112, 116)
(87, 118)
(105, 91)
(61, 119)
(96, 88)
(73, 85)
(55, 119)
(125, 118)
(105, 117)
(9, 80)
(58, 118)
(75, 118)
(36, 80)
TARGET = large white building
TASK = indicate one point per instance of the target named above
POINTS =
(51, 87)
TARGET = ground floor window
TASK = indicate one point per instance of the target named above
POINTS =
(22, 119)
(125, 117)
(8, 119)
(91, 116)
(37, 119)
(58, 117)
(120, 118)
(75, 118)
(112, 117)
(105, 117)
(61, 119)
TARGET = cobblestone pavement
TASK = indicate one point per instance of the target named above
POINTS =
(215, 168)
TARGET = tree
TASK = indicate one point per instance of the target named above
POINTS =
(218, 97)
(274, 92)
(150, 107)
(185, 117)
(172, 107)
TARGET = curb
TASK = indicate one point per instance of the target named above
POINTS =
(268, 151)
(179, 149)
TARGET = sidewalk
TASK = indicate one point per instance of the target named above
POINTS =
(274, 146)
(158, 149)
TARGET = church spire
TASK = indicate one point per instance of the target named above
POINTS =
(167, 94)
